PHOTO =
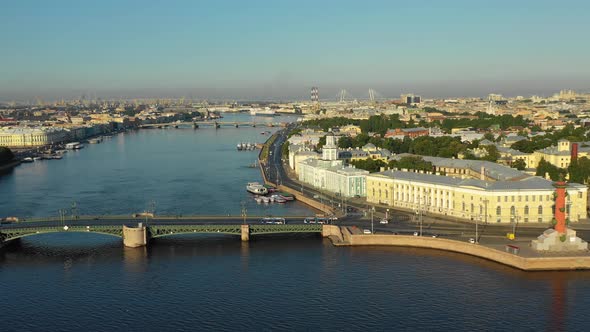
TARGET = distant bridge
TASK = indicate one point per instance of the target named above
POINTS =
(213, 124)
(139, 236)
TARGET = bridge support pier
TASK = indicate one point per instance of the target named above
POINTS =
(245, 233)
(135, 236)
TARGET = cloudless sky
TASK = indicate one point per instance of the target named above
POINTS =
(279, 49)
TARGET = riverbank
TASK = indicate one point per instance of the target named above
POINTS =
(342, 236)
(7, 167)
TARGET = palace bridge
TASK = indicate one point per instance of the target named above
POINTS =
(213, 124)
(139, 235)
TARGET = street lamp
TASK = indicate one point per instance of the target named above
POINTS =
(386, 213)
(244, 211)
(372, 211)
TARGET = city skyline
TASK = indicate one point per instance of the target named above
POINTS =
(277, 51)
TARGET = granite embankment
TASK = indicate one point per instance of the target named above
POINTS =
(553, 263)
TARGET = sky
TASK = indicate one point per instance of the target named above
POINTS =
(277, 50)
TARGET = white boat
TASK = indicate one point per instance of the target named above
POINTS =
(263, 111)
(256, 188)
(278, 199)
(27, 160)
(271, 199)
(74, 146)
(265, 199)
(258, 199)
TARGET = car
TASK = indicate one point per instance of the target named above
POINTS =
(383, 221)
(415, 233)
(367, 231)
(472, 241)
(435, 235)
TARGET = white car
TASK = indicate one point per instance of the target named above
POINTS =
(416, 234)
(367, 231)
(384, 221)
(472, 241)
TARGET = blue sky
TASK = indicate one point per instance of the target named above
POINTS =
(279, 49)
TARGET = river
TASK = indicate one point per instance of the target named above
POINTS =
(73, 282)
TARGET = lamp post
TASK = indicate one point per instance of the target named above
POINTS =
(476, 228)
(386, 214)
(244, 211)
(372, 211)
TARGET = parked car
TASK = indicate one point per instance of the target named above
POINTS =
(472, 240)
(416, 234)
(367, 231)
(435, 236)
(384, 221)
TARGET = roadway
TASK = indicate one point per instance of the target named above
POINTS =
(401, 222)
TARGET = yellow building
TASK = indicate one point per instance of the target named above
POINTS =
(560, 155)
(21, 137)
(529, 199)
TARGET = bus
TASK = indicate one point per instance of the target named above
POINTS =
(275, 221)
(319, 220)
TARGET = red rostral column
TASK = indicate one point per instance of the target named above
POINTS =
(560, 206)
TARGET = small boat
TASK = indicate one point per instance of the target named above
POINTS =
(278, 199)
(272, 199)
(258, 199)
(27, 160)
(37, 158)
(265, 199)
(287, 196)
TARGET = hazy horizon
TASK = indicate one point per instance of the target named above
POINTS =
(265, 50)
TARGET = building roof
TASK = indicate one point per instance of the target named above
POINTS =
(530, 183)
(495, 171)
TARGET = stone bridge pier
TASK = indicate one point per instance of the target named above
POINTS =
(135, 236)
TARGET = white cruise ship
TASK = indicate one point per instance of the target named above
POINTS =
(256, 188)
(264, 112)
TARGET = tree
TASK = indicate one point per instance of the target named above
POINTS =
(555, 173)
(519, 164)
(493, 154)
(579, 170)
(412, 162)
(6, 155)
(371, 165)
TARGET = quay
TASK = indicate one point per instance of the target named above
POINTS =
(526, 261)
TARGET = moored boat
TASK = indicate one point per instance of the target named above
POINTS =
(256, 188)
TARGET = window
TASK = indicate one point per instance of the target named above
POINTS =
(526, 198)
(540, 212)
(498, 211)
(580, 195)
(512, 198)
(512, 210)
(540, 219)
(526, 210)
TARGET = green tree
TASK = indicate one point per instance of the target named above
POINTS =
(6, 155)
(412, 162)
(519, 164)
(371, 165)
(579, 170)
(555, 173)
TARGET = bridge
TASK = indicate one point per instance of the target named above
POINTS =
(141, 234)
(213, 124)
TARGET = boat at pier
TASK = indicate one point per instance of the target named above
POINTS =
(263, 111)
(74, 146)
(256, 188)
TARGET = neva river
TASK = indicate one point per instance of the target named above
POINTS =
(73, 282)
